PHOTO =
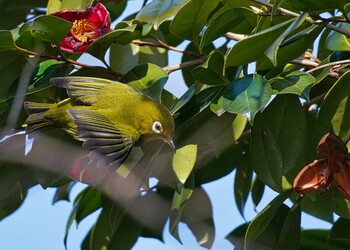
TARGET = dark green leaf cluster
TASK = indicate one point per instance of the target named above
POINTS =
(265, 81)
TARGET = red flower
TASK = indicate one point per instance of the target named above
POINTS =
(88, 25)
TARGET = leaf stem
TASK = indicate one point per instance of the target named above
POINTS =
(332, 64)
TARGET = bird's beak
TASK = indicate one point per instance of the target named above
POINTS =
(171, 143)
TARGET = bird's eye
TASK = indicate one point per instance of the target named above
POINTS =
(157, 127)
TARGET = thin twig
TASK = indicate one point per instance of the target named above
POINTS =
(67, 60)
(304, 63)
(332, 64)
(162, 44)
(170, 69)
(317, 99)
(234, 36)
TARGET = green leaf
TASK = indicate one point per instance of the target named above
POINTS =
(254, 46)
(277, 140)
(191, 19)
(62, 192)
(123, 33)
(114, 229)
(6, 41)
(183, 162)
(317, 6)
(124, 57)
(212, 71)
(229, 20)
(148, 78)
(179, 201)
(198, 215)
(58, 5)
(12, 200)
(314, 240)
(247, 96)
(340, 232)
(49, 29)
(289, 238)
(337, 41)
(15, 12)
(185, 98)
(236, 237)
(293, 47)
(257, 190)
(198, 103)
(271, 51)
(295, 82)
(334, 113)
(159, 11)
(265, 218)
(243, 180)
(85, 203)
(11, 67)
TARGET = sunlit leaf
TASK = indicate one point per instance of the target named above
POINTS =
(212, 71)
(159, 11)
(183, 162)
(334, 113)
(58, 5)
(247, 96)
(242, 52)
(148, 78)
(295, 82)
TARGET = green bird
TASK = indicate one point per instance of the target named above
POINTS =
(109, 117)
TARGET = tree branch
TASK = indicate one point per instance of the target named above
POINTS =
(332, 64)
(170, 69)
(67, 60)
(293, 14)
(164, 45)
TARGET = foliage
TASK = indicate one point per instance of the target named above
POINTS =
(265, 82)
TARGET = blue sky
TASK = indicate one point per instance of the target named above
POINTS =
(39, 225)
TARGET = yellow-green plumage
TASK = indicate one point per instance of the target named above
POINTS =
(110, 117)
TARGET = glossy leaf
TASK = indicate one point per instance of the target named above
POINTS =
(334, 113)
(271, 51)
(275, 149)
(47, 28)
(212, 71)
(57, 5)
(236, 237)
(264, 219)
(225, 22)
(183, 99)
(247, 96)
(124, 57)
(292, 47)
(338, 42)
(241, 52)
(123, 33)
(183, 162)
(295, 82)
(159, 11)
(191, 18)
(148, 78)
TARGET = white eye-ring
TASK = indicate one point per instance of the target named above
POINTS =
(157, 127)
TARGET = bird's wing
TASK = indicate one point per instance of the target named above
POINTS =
(82, 89)
(107, 145)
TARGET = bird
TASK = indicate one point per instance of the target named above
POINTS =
(109, 117)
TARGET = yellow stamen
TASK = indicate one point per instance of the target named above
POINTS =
(84, 29)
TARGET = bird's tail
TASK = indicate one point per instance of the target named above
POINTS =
(36, 119)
